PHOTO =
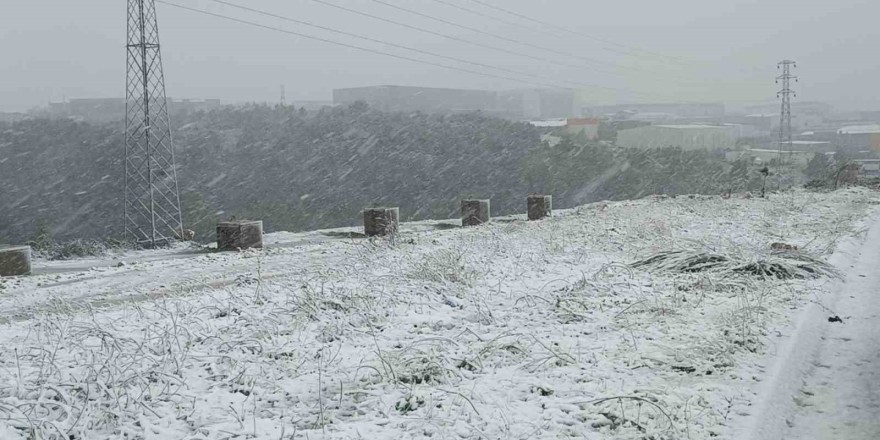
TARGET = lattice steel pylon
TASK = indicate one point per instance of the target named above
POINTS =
(785, 137)
(152, 200)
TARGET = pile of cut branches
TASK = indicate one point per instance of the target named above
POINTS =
(784, 265)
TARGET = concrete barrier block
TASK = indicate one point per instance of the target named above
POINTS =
(539, 206)
(239, 234)
(474, 212)
(379, 222)
(15, 260)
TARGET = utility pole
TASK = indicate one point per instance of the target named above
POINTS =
(151, 202)
(785, 138)
(283, 96)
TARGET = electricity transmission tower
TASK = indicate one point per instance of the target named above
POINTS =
(786, 94)
(152, 201)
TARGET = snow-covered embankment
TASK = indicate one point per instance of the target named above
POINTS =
(513, 330)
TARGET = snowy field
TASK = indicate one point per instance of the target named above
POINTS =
(512, 330)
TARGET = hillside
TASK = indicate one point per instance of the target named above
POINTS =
(301, 170)
(652, 318)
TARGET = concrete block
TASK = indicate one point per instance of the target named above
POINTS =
(15, 260)
(540, 206)
(379, 222)
(239, 234)
(474, 212)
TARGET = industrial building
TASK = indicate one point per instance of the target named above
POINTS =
(860, 138)
(113, 109)
(513, 104)
(869, 167)
(765, 156)
(687, 137)
(587, 127)
(659, 112)
(423, 99)
(804, 114)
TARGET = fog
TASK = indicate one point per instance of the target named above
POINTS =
(439, 219)
(708, 50)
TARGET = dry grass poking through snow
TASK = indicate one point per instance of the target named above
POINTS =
(509, 331)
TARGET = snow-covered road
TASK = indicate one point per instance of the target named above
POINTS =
(822, 375)
(840, 398)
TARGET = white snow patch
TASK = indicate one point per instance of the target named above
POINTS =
(512, 330)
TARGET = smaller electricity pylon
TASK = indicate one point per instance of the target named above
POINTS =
(785, 137)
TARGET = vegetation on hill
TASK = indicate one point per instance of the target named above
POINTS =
(300, 170)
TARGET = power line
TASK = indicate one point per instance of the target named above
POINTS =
(420, 51)
(379, 52)
(569, 31)
(510, 23)
(475, 43)
(626, 50)
(511, 40)
(450, 37)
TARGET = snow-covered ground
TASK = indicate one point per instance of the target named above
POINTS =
(824, 379)
(512, 330)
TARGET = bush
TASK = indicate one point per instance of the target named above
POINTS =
(44, 245)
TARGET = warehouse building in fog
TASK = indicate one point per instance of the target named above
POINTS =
(859, 138)
(412, 99)
(660, 111)
(513, 104)
(687, 137)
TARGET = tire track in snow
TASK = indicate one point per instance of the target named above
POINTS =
(825, 381)
(840, 398)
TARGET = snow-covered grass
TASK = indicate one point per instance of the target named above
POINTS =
(511, 330)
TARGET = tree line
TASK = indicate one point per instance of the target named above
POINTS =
(299, 170)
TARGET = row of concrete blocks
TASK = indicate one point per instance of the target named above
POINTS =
(247, 234)
(378, 222)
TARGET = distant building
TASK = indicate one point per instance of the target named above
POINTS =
(763, 156)
(688, 137)
(412, 99)
(549, 123)
(804, 114)
(873, 115)
(765, 122)
(807, 107)
(113, 109)
(613, 127)
(869, 167)
(660, 111)
(311, 105)
(807, 145)
(588, 127)
(860, 137)
(513, 104)
(89, 109)
(741, 131)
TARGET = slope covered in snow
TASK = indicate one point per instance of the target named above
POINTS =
(822, 380)
(512, 330)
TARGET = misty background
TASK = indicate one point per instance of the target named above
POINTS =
(646, 98)
(56, 49)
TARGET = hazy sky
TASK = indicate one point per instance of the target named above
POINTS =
(723, 50)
